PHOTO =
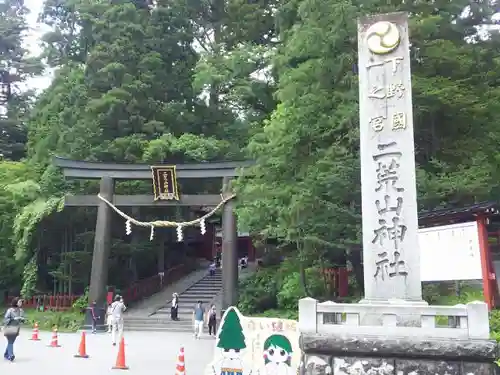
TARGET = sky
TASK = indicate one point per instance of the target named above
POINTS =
(32, 42)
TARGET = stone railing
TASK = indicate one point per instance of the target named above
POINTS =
(461, 322)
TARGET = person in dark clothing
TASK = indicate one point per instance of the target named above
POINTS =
(174, 310)
(94, 317)
(212, 320)
(218, 260)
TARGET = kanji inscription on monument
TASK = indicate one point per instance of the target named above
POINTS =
(391, 255)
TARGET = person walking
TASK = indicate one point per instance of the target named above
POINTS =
(198, 315)
(109, 318)
(117, 309)
(174, 310)
(211, 269)
(212, 320)
(94, 316)
(12, 321)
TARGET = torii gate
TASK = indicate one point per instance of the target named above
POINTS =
(108, 173)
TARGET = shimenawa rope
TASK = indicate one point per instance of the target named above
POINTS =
(166, 223)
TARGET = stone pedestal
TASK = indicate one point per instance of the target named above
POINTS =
(406, 316)
(326, 354)
(335, 340)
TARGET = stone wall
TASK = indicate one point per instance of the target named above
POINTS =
(326, 354)
(442, 340)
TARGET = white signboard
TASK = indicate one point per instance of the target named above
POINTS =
(255, 346)
(450, 252)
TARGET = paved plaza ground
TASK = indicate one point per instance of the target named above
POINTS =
(146, 353)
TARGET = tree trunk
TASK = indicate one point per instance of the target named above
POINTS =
(302, 270)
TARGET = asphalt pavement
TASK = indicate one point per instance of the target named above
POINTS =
(145, 353)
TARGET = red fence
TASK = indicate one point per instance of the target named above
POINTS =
(140, 289)
(153, 284)
(56, 302)
(339, 280)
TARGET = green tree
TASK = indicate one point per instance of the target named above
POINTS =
(15, 68)
(231, 333)
(122, 92)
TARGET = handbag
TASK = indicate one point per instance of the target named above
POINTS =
(10, 331)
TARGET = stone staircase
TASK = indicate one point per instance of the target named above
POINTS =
(206, 290)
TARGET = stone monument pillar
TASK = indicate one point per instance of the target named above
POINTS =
(391, 256)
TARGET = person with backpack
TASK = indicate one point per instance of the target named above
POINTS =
(12, 321)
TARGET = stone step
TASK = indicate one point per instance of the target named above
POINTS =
(190, 303)
(208, 282)
(204, 290)
(198, 291)
(207, 285)
(198, 288)
(197, 296)
(192, 299)
(166, 329)
(157, 329)
(211, 278)
(182, 310)
(160, 322)
(145, 324)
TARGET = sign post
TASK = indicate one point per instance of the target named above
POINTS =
(165, 183)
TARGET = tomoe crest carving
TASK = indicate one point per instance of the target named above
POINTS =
(382, 37)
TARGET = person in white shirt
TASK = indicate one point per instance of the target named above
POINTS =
(109, 318)
(211, 269)
(117, 310)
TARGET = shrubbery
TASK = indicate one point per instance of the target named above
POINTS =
(65, 321)
(495, 325)
(277, 289)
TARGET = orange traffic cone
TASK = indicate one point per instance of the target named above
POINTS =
(120, 359)
(34, 335)
(54, 343)
(180, 369)
(82, 349)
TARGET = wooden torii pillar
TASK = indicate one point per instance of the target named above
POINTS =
(108, 174)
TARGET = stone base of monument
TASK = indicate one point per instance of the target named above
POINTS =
(334, 340)
(325, 354)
